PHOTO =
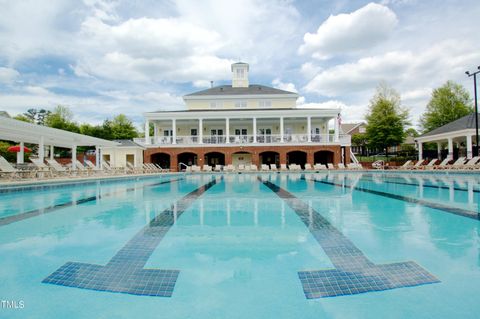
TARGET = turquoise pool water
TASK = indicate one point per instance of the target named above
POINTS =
(333, 245)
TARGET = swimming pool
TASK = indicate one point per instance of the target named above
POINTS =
(332, 245)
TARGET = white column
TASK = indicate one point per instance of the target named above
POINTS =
(200, 131)
(155, 133)
(281, 129)
(97, 156)
(439, 150)
(227, 130)
(450, 148)
(309, 128)
(469, 146)
(41, 149)
(74, 157)
(254, 130)
(420, 151)
(336, 130)
(21, 154)
(52, 149)
(174, 131)
(147, 132)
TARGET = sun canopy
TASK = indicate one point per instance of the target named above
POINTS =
(19, 131)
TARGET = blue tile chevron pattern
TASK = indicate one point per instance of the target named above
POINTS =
(124, 273)
(354, 273)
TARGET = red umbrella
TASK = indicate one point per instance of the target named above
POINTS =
(16, 149)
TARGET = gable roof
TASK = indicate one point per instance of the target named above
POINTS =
(128, 143)
(348, 127)
(466, 122)
(253, 89)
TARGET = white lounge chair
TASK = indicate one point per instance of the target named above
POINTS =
(470, 163)
(429, 165)
(458, 163)
(206, 168)
(133, 169)
(196, 168)
(264, 167)
(42, 168)
(341, 166)
(442, 165)
(253, 168)
(241, 167)
(218, 168)
(330, 166)
(283, 167)
(308, 167)
(57, 167)
(273, 167)
(229, 168)
(6, 169)
(319, 167)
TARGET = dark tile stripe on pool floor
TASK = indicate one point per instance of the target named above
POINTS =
(418, 185)
(354, 273)
(45, 210)
(124, 273)
(449, 209)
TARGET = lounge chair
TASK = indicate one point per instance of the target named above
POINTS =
(405, 165)
(57, 167)
(229, 168)
(42, 168)
(133, 169)
(196, 168)
(241, 167)
(319, 167)
(92, 166)
(458, 163)
(469, 164)
(81, 168)
(341, 166)
(273, 167)
(253, 168)
(429, 165)
(6, 169)
(283, 167)
(417, 165)
(308, 167)
(330, 166)
(218, 168)
(264, 167)
(206, 168)
(442, 165)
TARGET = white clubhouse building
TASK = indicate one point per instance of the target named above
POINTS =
(243, 123)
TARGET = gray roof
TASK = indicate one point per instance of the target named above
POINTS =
(4, 114)
(127, 143)
(347, 127)
(253, 89)
(462, 123)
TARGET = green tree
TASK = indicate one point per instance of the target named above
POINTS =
(61, 118)
(360, 140)
(449, 102)
(122, 128)
(386, 119)
(9, 156)
(23, 118)
(37, 116)
(411, 132)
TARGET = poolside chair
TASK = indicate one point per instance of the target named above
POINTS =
(417, 165)
(218, 168)
(92, 166)
(470, 164)
(81, 168)
(308, 167)
(253, 168)
(330, 166)
(341, 166)
(42, 168)
(352, 166)
(319, 167)
(6, 169)
(264, 167)
(196, 168)
(273, 167)
(283, 167)
(458, 163)
(429, 165)
(442, 165)
(206, 168)
(405, 165)
(57, 167)
(241, 167)
(133, 169)
(229, 168)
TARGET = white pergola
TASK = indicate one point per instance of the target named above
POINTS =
(23, 132)
(458, 131)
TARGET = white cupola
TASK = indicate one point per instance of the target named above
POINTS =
(240, 75)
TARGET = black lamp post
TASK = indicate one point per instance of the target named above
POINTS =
(474, 74)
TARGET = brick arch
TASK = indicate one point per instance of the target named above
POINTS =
(299, 157)
(164, 159)
(323, 157)
(213, 158)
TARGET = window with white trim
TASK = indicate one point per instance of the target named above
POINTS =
(240, 73)
(240, 104)
(216, 104)
(264, 103)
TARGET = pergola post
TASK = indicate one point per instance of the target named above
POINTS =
(420, 151)
(469, 146)
(439, 150)
(41, 148)
(21, 154)
(74, 157)
(450, 148)
(97, 156)
(51, 151)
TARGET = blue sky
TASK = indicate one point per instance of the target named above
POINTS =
(102, 58)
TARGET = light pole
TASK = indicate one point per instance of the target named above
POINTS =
(474, 74)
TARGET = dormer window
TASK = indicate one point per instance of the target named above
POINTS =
(264, 104)
(240, 104)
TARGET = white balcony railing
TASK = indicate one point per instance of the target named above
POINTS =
(325, 139)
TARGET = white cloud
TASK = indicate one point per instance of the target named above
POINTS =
(277, 83)
(310, 70)
(8, 75)
(36, 90)
(404, 70)
(345, 33)
(332, 104)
